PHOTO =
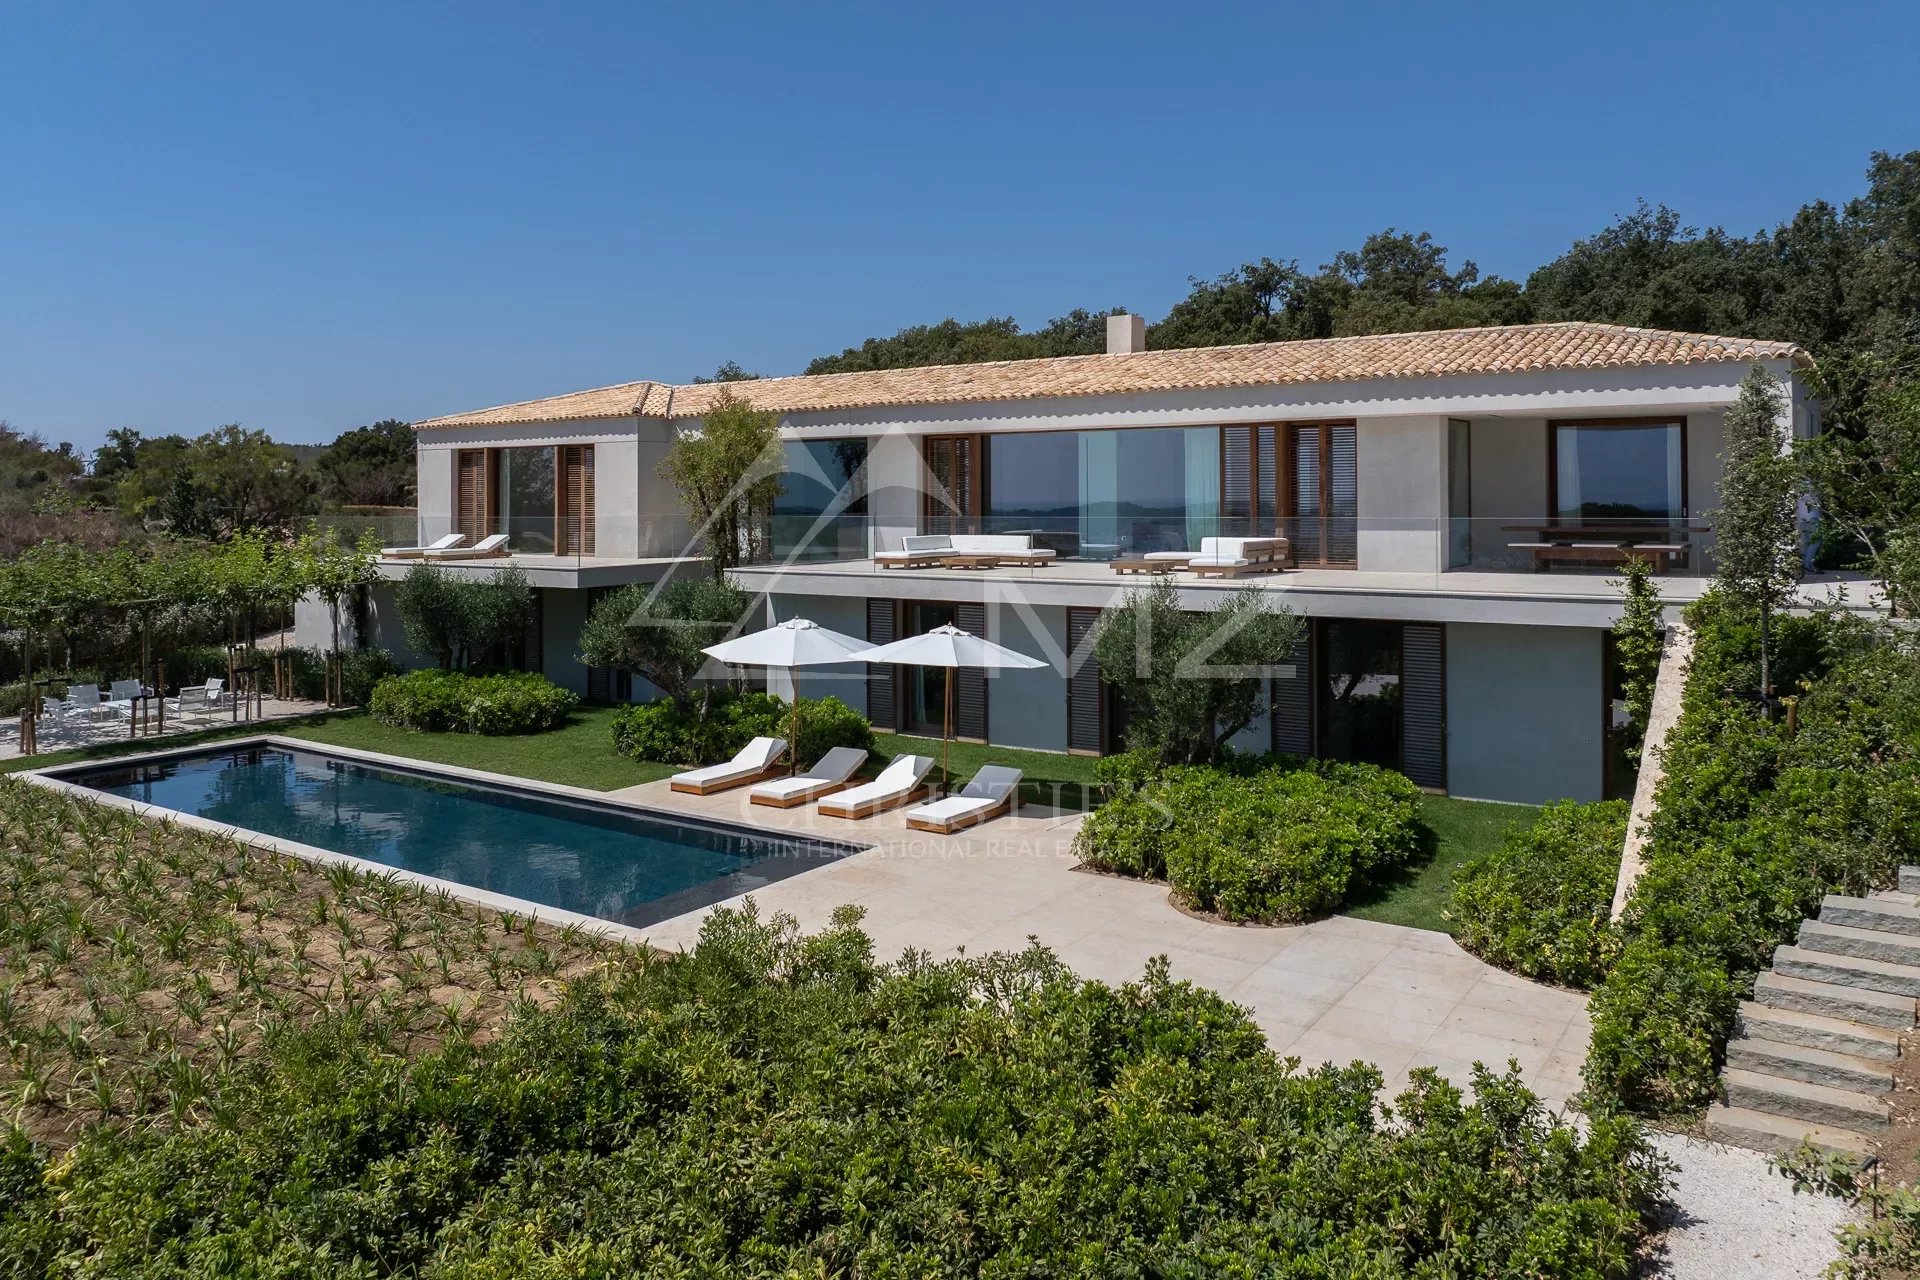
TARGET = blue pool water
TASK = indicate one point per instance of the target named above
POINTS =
(598, 860)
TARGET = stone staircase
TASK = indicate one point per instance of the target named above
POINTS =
(1813, 1051)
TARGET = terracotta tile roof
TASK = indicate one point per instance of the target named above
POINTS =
(1440, 353)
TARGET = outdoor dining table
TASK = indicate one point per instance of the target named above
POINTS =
(1658, 545)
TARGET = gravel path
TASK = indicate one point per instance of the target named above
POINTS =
(1737, 1219)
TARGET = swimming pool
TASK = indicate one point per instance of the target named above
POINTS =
(599, 860)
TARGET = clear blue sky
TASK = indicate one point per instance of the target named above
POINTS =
(308, 217)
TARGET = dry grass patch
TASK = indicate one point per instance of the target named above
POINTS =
(142, 963)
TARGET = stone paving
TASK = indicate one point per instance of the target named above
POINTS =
(62, 735)
(1338, 989)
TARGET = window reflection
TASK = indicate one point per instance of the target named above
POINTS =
(1360, 691)
(1618, 471)
(525, 504)
(822, 508)
(1098, 495)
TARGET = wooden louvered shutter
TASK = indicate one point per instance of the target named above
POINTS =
(1290, 715)
(470, 494)
(1266, 481)
(970, 687)
(1304, 529)
(1343, 495)
(1423, 703)
(883, 627)
(1236, 482)
(952, 503)
(1086, 727)
(576, 500)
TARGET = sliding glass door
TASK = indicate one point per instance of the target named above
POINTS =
(1631, 472)
(1097, 495)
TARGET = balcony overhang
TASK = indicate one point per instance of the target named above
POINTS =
(565, 573)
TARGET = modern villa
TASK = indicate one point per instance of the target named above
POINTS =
(1456, 509)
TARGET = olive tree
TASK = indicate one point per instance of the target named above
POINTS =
(659, 631)
(1192, 681)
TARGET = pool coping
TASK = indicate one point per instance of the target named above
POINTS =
(50, 778)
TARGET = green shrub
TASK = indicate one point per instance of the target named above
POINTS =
(454, 702)
(1756, 820)
(665, 732)
(776, 1105)
(1541, 904)
(1272, 844)
(360, 671)
(1659, 1023)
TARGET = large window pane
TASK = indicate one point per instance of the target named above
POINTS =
(821, 513)
(524, 508)
(1608, 472)
(1100, 494)
(1360, 691)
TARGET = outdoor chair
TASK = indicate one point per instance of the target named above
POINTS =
(901, 782)
(198, 699)
(121, 695)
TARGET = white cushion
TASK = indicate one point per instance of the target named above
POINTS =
(1169, 557)
(1217, 562)
(902, 775)
(921, 544)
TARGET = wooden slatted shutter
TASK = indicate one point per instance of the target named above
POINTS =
(1343, 495)
(970, 687)
(1236, 482)
(883, 684)
(952, 502)
(575, 495)
(1304, 529)
(1423, 703)
(1290, 713)
(1266, 477)
(1086, 725)
(470, 503)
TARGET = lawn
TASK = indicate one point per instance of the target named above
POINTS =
(1462, 830)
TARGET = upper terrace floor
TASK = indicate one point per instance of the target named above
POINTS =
(1437, 455)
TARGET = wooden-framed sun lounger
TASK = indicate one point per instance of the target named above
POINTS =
(993, 791)
(831, 773)
(494, 544)
(757, 761)
(447, 543)
(901, 782)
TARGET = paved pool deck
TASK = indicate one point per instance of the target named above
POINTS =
(1335, 990)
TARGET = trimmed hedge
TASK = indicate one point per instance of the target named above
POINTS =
(665, 732)
(775, 1105)
(1273, 843)
(455, 702)
(1540, 905)
(1756, 821)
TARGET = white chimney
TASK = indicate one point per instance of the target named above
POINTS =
(1126, 334)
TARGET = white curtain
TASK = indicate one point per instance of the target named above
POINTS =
(1203, 485)
(1566, 449)
(1099, 493)
(1675, 480)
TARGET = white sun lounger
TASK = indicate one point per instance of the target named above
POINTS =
(447, 543)
(901, 782)
(757, 760)
(494, 544)
(830, 773)
(991, 792)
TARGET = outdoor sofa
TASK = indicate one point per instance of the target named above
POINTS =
(921, 549)
(1229, 557)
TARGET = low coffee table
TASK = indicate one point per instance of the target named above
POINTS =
(969, 562)
(1147, 566)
